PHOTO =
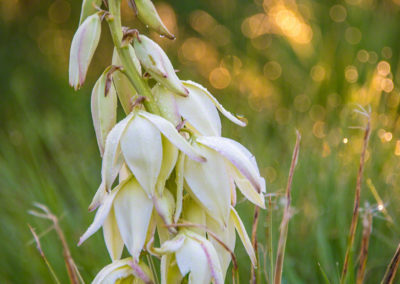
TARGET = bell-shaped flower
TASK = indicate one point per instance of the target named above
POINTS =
(137, 140)
(242, 166)
(88, 8)
(132, 213)
(157, 64)
(199, 108)
(83, 46)
(148, 15)
(126, 269)
(104, 108)
(208, 183)
(125, 90)
(142, 147)
(196, 256)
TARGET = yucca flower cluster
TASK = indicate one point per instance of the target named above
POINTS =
(176, 176)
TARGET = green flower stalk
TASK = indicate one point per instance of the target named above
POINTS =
(167, 155)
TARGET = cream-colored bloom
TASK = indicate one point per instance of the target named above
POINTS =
(132, 213)
(88, 8)
(199, 108)
(124, 269)
(83, 46)
(157, 64)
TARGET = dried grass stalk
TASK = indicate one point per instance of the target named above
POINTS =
(367, 228)
(391, 270)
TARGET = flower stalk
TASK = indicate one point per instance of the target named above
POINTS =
(177, 177)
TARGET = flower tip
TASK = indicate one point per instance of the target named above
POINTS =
(243, 120)
(170, 36)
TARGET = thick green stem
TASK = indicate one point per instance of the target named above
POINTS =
(114, 22)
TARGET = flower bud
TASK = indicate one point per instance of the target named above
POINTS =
(165, 206)
(104, 109)
(125, 90)
(148, 15)
(112, 236)
(157, 64)
(166, 102)
(88, 8)
(83, 46)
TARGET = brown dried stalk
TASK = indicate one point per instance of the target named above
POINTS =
(73, 273)
(391, 270)
(367, 228)
(254, 271)
(39, 248)
(286, 215)
(357, 196)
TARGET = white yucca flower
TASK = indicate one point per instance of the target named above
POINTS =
(166, 169)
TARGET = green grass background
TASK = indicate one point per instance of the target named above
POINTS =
(48, 150)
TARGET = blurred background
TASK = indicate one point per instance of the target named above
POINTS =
(284, 65)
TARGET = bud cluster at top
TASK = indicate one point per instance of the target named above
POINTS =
(169, 178)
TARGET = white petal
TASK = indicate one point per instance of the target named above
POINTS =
(170, 132)
(193, 213)
(228, 236)
(237, 155)
(112, 237)
(209, 183)
(192, 259)
(204, 268)
(165, 100)
(170, 273)
(165, 206)
(172, 245)
(199, 110)
(133, 211)
(243, 236)
(226, 113)
(113, 271)
(112, 159)
(179, 171)
(101, 213)
(170, 156)
(142, 149)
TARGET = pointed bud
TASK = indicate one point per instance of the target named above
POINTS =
(104, 109)
(157, 64)
(83, 46)
(133, 210)
(148, 15)
(209, 183)
(88, 8)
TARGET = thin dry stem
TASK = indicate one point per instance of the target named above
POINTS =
(391, 270)
(254, 271)
(39, 248)
(367, 228)
(286, 215)
(73, 273)
(354, 220)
